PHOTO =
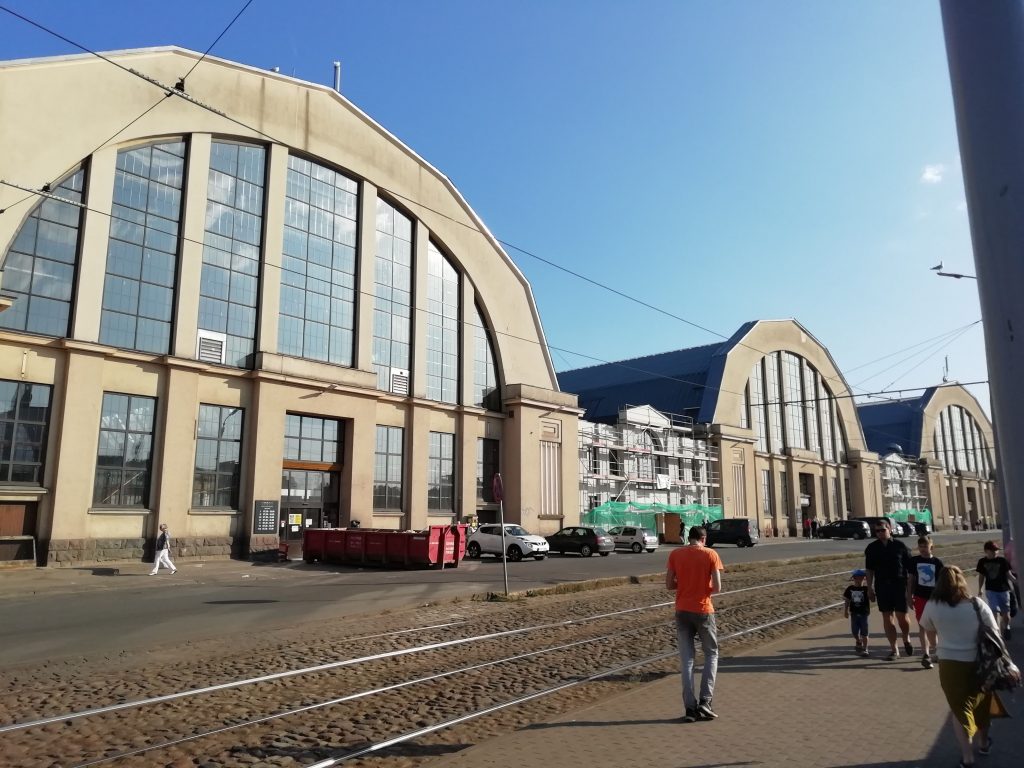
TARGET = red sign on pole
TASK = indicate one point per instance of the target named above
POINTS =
(497, 489)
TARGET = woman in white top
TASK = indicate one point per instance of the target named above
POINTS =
(951, 613)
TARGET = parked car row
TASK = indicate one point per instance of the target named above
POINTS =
(861, 528)
(584, 540)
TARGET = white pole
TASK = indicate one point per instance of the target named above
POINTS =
(504, 550)
(985, 49)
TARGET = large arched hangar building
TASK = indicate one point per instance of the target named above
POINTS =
(777, 408)
(249, 319)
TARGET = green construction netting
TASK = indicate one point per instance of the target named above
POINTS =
(613, 513)
(919, 515)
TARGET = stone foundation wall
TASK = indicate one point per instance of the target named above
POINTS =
(264, 548)
(63, 553)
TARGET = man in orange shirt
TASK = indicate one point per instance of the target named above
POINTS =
(695, 574)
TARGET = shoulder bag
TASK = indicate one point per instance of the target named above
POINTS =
(995, 669)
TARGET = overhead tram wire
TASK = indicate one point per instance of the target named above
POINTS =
(906, 349)
(179, 92)
(217, 40)
(928, 350)
(553, 347)
(922, 362)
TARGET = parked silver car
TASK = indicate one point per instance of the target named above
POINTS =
(519, 543)
(634, 538)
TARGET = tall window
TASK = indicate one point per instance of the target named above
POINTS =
(766, 492)
(486, 388)
(810, 406)
(795, 435)
(757, 408)
(126, 448)
(392, 306)
(960, 442)
(784, 493)
(645, 459)
(39, 272)
(442, 327)
(387, 469)
(486, 469)
(773, 393)
(318, 273)
(308, 438)
(142, 251)
(441, 473)
(231, 248)
(24, 418)
(218, 456)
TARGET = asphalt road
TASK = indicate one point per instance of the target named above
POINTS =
(82, 613)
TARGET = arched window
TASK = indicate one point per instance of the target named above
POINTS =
(39, 271)
(960, 442)
(486, 387)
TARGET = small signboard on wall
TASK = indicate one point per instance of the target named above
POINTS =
(265, 516)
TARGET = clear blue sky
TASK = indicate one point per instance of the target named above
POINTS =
(725, 161)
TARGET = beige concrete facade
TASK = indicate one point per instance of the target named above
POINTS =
(66, 108)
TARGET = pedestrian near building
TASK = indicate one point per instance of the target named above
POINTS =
(924, 573)
(887, 562)
(807, 527)
(163, 551)
(857, 609)
(695, 574)
(814, 527)
(996, 582)
(955, 617)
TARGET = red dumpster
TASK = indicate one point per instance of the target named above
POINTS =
(437, 545)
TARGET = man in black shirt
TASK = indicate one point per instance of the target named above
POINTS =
(995, 579)
(887, 562)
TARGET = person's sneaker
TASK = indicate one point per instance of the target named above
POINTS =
(174, 571)
(864, 652)
(858, 649)
(986, 748)
(926, 661)
(893, 655)
(705, 712)
(690, 716)
(908, 648)
(152, 573)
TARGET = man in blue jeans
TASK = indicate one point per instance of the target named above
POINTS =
(695, 573)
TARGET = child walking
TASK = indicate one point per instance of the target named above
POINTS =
(857, 609)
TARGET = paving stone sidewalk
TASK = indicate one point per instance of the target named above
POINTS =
(806, 701)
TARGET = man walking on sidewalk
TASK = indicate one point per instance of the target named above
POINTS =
(163, 551)
(695, 573)
(887, 562)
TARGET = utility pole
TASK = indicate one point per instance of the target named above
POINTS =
(985, 50)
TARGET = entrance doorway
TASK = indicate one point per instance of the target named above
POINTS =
(309, 499)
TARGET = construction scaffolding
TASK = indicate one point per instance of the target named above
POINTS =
(647, 457)
(904, 488)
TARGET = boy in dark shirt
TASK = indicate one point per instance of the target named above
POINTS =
(996, 578)
(857, 609)
(924, 573)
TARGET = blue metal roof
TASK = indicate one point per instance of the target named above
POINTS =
(685, 382)
(899, 422)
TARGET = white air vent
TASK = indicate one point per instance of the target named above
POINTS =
(399, 381)
(210, 348)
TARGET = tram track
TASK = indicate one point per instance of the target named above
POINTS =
(434, 687)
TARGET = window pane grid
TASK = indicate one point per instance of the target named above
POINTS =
(441, 473)
(24, 420)
(218, 453)
(387, 469)
(486, 390)
(234, 225)
(442, 327)
(392, 308)
(39, 268)
(125, 451)
(309, 438)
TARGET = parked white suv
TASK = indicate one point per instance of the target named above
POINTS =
(634, 538)
(519, 543)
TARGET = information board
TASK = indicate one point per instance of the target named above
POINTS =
(265, 517)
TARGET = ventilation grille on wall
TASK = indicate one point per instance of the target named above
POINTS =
(210, 348)
(399, 381)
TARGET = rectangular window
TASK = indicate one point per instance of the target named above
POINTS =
(615, 464)
(312, 439)
(827, 410)
(794, 401)
(318, 269)
(757, 408)
(442, 327)
(811, 381)
(766, 492)
(125, 451)
(784, 493)
(846, 490)
(392, 305)
(486, 469)
(228, 286)
(835, 498)
(387, 469)
(218, 456)
(39, 270)
(142, 250)
(441, 473)
(24, 421)
(773, 395)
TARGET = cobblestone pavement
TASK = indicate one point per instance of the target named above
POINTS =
(803, 702)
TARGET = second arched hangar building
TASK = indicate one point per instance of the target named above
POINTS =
(788, 439)
(251, 319)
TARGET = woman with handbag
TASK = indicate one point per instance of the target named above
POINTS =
(959, 622)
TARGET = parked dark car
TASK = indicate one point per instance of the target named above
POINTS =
(922, 528)
(585, 539)
(845, 529)
(740, 531)
(904, 529)
(873, 521)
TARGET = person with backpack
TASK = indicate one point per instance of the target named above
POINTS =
(163, 551)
